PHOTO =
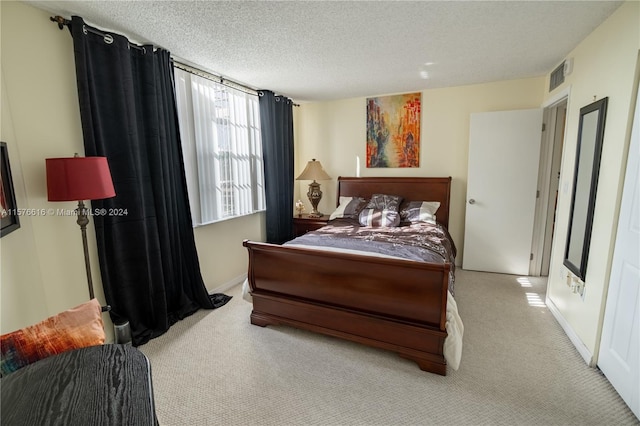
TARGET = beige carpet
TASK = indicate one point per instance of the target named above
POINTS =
(518, 368)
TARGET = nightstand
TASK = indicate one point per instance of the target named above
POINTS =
(303, 224)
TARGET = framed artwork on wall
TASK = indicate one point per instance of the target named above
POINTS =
(393, 131)
(8, 208)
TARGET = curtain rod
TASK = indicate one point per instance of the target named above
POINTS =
(219, 79)
(61, 21)
(188, 68)
(107, 37)
(213, 77)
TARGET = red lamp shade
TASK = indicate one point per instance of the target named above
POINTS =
(79, 178)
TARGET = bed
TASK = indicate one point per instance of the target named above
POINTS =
(379, 300)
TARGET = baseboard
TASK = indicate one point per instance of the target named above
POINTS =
(229, 284)
(580, 347)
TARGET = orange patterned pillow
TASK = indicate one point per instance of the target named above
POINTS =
(76, 328)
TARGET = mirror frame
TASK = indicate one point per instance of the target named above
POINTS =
(584, 215)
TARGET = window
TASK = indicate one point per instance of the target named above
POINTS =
(222, 149)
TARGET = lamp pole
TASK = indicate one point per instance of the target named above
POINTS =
(83, 221)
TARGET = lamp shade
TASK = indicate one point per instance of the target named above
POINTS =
(79, 178)
(313, 171)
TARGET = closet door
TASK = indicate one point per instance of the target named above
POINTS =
(619, 356)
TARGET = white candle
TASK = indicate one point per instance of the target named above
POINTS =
(357, 166)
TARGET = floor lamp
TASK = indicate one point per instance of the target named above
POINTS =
(78, 179)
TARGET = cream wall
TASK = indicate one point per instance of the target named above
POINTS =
(24, 300)
(223, 259)
(40, 119)
(335, 133)
(42, 262)
(604, 66)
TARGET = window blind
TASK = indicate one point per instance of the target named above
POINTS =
(220, 132)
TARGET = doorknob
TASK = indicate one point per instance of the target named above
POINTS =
(472, 201)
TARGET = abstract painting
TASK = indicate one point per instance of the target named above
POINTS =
(393, 131)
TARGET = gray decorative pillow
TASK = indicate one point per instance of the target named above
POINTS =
(419, 211)
(382, 211)
(348, 207)
(378, 218)
(384, 202)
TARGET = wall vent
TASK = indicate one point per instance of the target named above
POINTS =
(557, 77)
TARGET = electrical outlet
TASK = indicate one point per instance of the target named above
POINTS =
(575, 284)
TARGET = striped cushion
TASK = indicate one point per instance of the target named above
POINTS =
(378, 218)
(419, 211)
(382, 211)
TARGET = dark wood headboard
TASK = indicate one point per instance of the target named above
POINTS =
(410, 188)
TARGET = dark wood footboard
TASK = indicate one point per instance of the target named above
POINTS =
(392, 304)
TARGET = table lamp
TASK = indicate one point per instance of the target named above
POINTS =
(314, 171)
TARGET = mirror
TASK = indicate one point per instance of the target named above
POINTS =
(585, 183)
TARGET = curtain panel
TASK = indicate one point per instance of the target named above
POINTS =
(276, 121)
(148, 260)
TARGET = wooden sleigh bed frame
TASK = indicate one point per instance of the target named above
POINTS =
(393, 304)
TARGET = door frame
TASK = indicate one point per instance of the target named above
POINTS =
(543, 219)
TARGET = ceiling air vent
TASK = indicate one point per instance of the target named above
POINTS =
(557, 77)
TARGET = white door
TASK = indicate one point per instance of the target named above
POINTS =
(504, 155)
(619, 356)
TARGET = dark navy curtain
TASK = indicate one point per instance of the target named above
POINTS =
(148, 259)
(276, 121)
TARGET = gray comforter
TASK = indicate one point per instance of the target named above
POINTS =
(422, 242)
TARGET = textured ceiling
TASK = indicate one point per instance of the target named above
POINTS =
(314, 50)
